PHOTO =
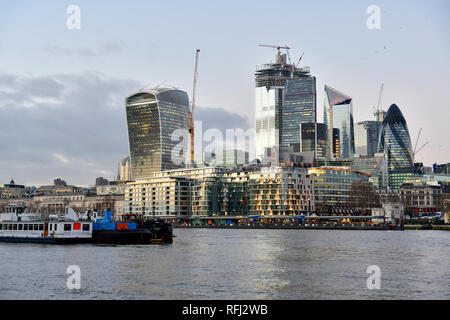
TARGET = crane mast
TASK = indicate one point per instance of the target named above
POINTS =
(191, 113)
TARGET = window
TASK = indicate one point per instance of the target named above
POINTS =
(10, 226)
(25, 227)
(15, 227)
(20, 227)
(56, 227)
(67, 227)
(35, 227)
(51, 227)
(86, 227)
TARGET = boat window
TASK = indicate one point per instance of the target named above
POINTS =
(86, 227)
(30, 227)
(67, 227)
(56, 227)
(15, 227)
(41, 227)
(25, 227)
(36, 227)
(51, 227)
(1, 226)
(9, 226)
(20, 226)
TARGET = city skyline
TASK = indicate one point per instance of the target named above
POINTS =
(50, 89)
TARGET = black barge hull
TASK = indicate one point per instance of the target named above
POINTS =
(139, 236)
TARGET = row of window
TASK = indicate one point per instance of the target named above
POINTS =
(37, 227)
(21, 226)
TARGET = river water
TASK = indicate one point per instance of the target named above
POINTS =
(237, 264)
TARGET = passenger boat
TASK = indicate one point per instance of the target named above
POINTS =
(20, 227)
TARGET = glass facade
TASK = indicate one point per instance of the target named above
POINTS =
(152, 117)
(313, 137)
(374, 165)
(281, 191)
(366, 137)
(299, 106)
(395, 143)
(338, 114)
(332, 186)
(285, 96)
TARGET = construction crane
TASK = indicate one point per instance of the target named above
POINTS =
(278, 48)
(191, 113)
(299, 60)
(416, 151)
(377, 111)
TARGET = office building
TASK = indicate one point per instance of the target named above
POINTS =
(124, 172)
(332, 186)
(285, 97)
(152, 118)
(375, 165)
(313, 138)
(395, 143)
(366, 137)
(338, 114)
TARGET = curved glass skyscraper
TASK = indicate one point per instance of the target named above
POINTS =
(152, 117)
(395, 142)
(338, 114)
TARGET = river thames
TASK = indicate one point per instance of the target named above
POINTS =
(208, 264)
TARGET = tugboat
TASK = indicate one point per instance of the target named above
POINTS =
(16, 226)
(108, 231)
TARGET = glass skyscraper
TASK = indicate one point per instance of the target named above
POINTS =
(367, 134)
(395, 143)
(285, 97)
(313, 137)
(338, 113)
(152, 117)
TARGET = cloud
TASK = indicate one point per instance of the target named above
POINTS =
(60, 158)
(72, 126)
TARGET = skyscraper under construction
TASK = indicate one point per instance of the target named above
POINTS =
(285, 97)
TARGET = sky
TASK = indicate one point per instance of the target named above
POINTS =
(62, 91)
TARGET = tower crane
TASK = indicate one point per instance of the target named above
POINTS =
(191, 113)
(416, 151)
(377, 111)
(278, 48)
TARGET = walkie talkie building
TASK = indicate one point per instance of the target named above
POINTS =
(152, 118)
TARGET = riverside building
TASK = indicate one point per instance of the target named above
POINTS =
(281, 191)
(332, 185)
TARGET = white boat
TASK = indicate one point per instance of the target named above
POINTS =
(20, 227)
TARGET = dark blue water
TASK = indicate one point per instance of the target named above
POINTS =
(237, 264)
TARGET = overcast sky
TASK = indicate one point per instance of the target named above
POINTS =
(62, 91)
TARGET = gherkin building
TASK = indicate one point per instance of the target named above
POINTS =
(395, 143)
